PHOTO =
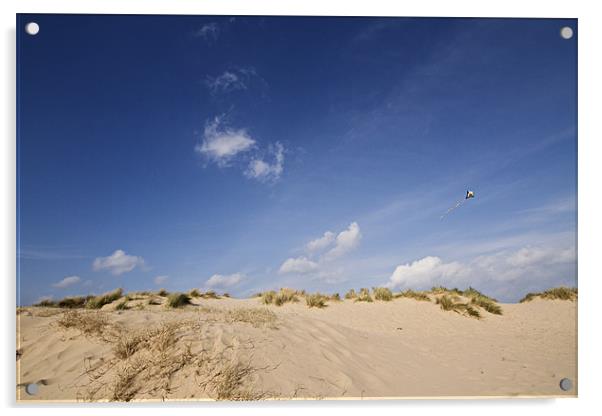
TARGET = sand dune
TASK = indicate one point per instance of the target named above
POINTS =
(241, 349)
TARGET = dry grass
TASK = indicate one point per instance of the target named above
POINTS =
(316, 300)
(88, 323)
(226, 295)
(121, 306)
(177, 300)
(163, 293)
(487, 304)
(228, 383)
(561, 293)
(155, 301)
(382, 293)
(411, 294)
(98, 302)
(438, 290)
(335, 297)
(210, 294)
(351, 294)
(45, 303)
(364, 296)
(447, 303)
(257, 317)
(281, 297)
(194, 293)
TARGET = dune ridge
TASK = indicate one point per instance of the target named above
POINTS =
(211, 347)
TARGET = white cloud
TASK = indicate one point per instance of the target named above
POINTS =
(264, 171)
(346, 241)
(66, 282)
(323, 268)
(209, 31)
(221, 144)
(299, 265)
(321, 243)
(527, 265)
(219, 280)
(159, 280)
(118, 263)
(424, 272)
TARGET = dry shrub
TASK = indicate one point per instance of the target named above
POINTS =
(254, 316)
(382, 293)
(364, 296)
(335, 297)
(316, 300)
(561, 293)
(226, 295)
(98, 302)
(194, 293)
(162, 292)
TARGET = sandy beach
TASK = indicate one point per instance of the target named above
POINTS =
(241, 349)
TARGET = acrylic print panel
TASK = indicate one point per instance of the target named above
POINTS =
(253, 208)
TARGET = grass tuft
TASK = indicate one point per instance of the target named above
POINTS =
(98, 302)
(351, 294)
(364, 296)
(177, 300)
(411, 294)
(447, 303)
(382, 293)
(88, 323)
(121, 306)
(255, 316)
(281, 297)
(162, 293)
(316, 300)
(561, 293)
(194, 293)
(487, 303)
(210, 294)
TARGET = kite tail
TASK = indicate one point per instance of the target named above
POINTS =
(458, 204)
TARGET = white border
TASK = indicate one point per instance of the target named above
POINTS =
(590, 209)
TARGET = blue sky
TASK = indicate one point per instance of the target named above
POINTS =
(249, 153)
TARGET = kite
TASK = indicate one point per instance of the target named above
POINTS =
(469, 194)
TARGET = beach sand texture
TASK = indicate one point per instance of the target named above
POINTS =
(239, 349)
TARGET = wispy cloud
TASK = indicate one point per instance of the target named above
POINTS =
(226, 82)
(209, 31)
(159, 280)
(223, 281)
(264, 171)
(66, 282)
(118, 263)
(221, 143)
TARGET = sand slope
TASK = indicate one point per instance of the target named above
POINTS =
(233, 348)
